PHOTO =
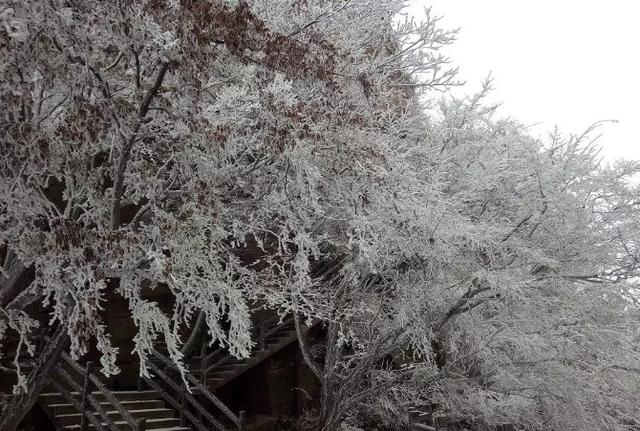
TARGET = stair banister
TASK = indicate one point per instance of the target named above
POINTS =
(265, 333)
(216, 401)
(100, 387)
(97, 425)
(175, 404)
(179, 388)
(271, 323)
(99, 417)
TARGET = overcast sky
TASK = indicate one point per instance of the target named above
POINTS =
(564, 62)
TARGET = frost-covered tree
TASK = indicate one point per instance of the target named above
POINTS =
(280, 151)
(500, 286)
(149, 143)
(535, 308)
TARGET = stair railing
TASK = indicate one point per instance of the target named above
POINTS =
(174, 391)
(273, 324)
(89, 406)
(266, 328)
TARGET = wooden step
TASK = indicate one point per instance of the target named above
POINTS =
(152, 424)
(178, 428)
(226, 367)
(158, 413)
(277, 340)
(57, 398)
(63, 409)
(221, 374)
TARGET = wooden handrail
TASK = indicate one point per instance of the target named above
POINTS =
(214, 400)
(186, 396)
(176, 405)
(278, 325)
(265, 323)
(266, 334)
(219, 351)
(97, 383)
(95, 403)
(100, 387)
(195, 384)
(66, 376)
(67, 395)
(216, 363)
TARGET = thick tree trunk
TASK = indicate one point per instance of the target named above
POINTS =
(332, 404)
(20, 404)
(328, 407)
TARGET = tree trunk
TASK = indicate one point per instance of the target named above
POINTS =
(330, 402)
(328, 406)
(20, 404)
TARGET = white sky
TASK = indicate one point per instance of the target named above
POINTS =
(564, 62)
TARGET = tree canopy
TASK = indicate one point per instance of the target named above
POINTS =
(306, 154)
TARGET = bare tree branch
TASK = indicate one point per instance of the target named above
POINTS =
(128, 146)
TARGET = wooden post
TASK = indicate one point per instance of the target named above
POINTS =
(86, 393)
(241, 421)
(203, 366)
(142, 424)
(140, 382)
(508, 427)
(262, 337)
(436, 423)
(499, 428)
(183, 405)
(203, 362)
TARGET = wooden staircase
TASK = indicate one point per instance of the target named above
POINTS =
(218, 368)
(78, 400)
(147, 405)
